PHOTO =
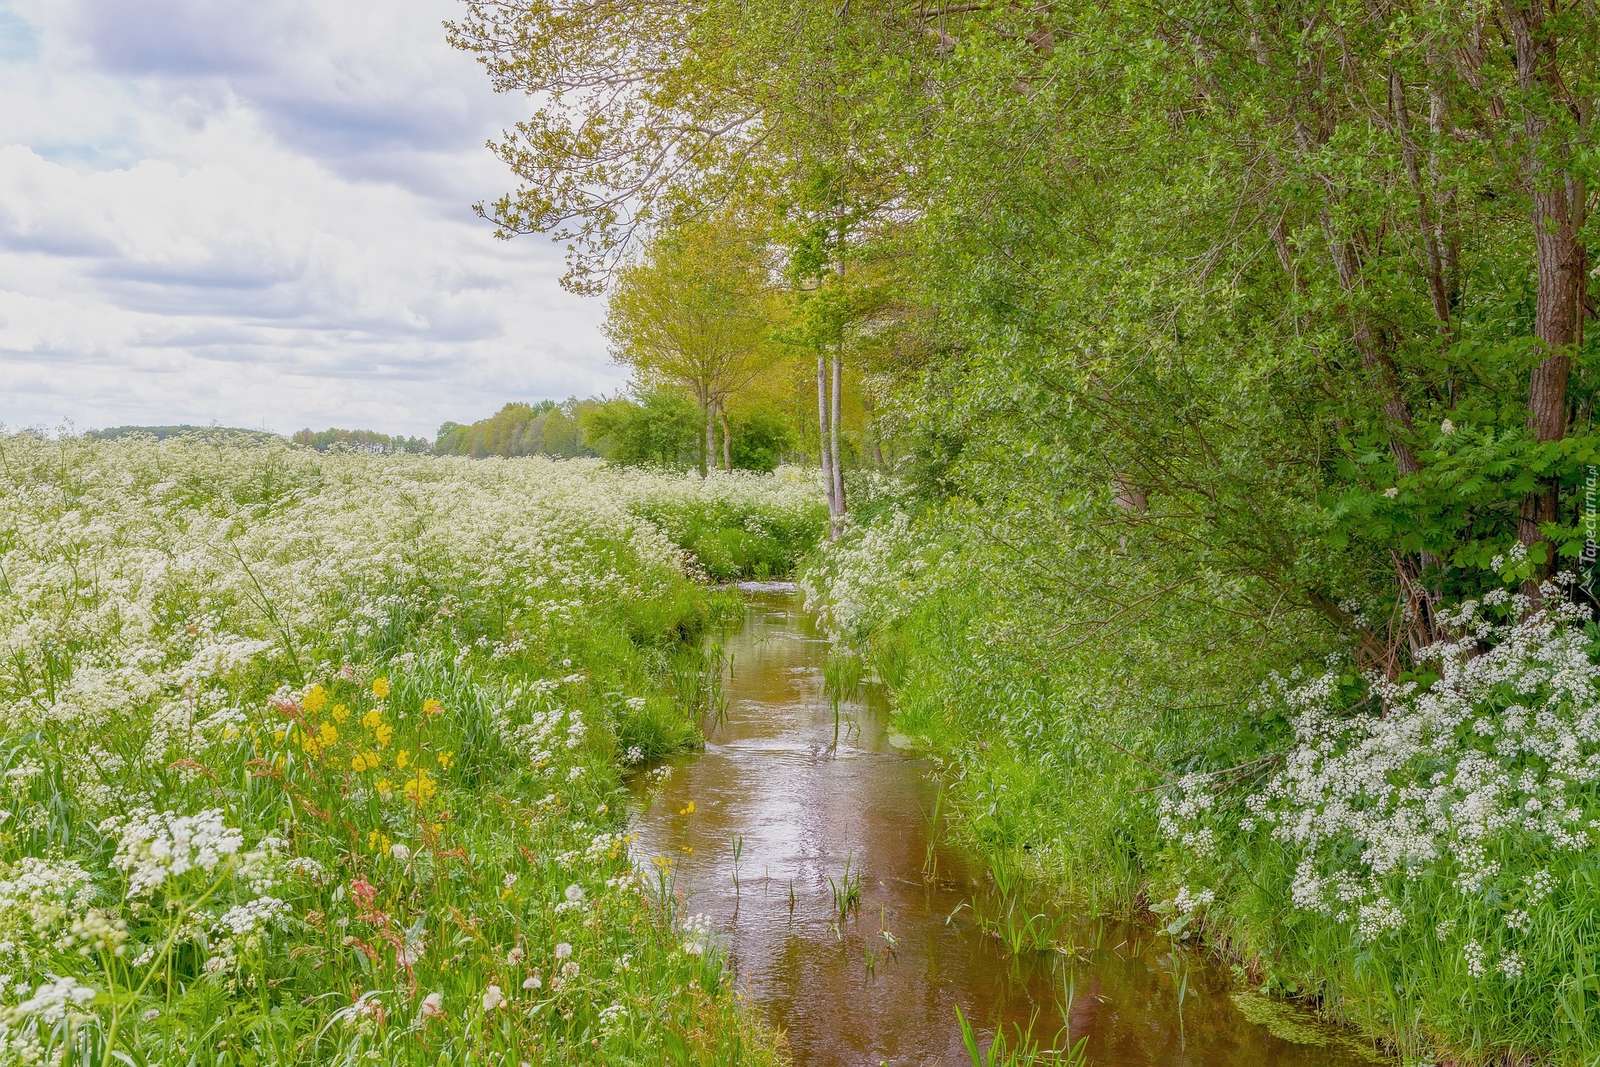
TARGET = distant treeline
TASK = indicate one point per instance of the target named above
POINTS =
(661, 428)
(360, 441)
(160, 433)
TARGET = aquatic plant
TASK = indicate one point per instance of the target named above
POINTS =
(846, 890)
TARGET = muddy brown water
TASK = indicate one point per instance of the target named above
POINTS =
(774, 785)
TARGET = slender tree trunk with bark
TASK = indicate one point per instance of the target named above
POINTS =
(707, 460)
(727, 439)
(833, 428)
(1377, 358)
(822, 438)
(1558, 217)
(1433, 256)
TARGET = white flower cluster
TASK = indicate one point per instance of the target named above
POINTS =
(55, 999)
(1187, 902)
(244, 920)
(1498, 757)
(155, 847)
(867, 577)
(39, 899)
(696, 934)
(539, 733)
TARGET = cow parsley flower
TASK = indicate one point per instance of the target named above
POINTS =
(154, 847)
(55, 998)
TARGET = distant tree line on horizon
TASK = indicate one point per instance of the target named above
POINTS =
(360, 441)
(663, 426)
(660, 427)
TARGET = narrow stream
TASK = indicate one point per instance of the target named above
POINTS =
(797, 808)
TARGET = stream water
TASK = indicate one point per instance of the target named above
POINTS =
(788, 804)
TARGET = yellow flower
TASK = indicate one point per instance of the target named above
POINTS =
(421, 788)
(445, 759)
(380, 687)
(340, 713)
(328, 735)
(372, 719)
(384, 786)
(364, 761)
(431, 707)
(378, 842)
(402, 760)
(315, 700)
(383, 734)
(687, 809)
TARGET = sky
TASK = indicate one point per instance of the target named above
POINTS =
(258, 213)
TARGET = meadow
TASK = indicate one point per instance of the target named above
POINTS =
(318, 758)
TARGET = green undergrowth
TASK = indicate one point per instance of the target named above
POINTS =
(1111, 786)
(739, 539)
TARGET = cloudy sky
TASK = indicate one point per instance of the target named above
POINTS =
(257, 213)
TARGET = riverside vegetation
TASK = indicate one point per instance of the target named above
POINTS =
(1237, 367)
(1415, 855)
(317, 758)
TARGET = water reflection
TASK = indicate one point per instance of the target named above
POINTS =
(778, 804)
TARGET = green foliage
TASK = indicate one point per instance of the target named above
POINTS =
(732, 541)
(761, 440)
(359, 441)
(661, 429)
(542, 429)
(210, 433)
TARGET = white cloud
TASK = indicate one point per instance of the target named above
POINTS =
(258, 214)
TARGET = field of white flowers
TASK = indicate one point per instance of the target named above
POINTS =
(317, 758)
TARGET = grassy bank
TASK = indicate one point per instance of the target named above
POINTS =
(318, 758)
(1414, 857)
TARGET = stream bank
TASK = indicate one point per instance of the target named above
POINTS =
(805, 838)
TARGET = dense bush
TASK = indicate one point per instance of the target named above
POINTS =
(663, 429)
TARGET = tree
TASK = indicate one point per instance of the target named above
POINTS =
(1281, 304)
(694, 312)
(662, 429)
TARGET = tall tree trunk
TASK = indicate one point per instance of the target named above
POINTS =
(1377, 358)
(727, 438)
(823, 439)
(1433, 255)
(706, 456)
(1558, 216)
(833, 427)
